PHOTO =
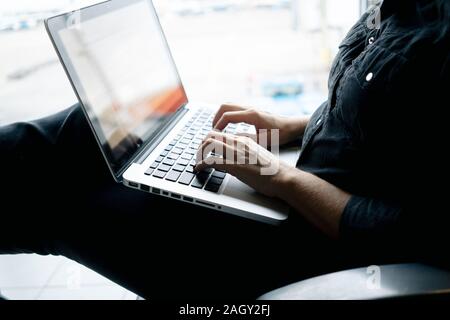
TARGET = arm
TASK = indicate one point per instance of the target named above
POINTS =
(332, 210)
(318, 201)
(327, 207)
(340, 214)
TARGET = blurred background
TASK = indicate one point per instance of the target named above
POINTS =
(275, 54)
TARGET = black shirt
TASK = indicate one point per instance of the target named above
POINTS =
(378, 134)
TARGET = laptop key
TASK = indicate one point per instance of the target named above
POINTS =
(177, 150)
(159, 159)
(183, 162)
(169, 162)
(159, 174)
(219, 174)
(164, 168)
(190, 169)
(164, 153)
(185, 141)
(212, 187)
(202, 176)
(149, 172)
(154, 165)
(168, 148)
(179, 168)
(197, 183)
(173, 176)
(187, 156)
(215, 180)
(186, 178)
(208, 170)
(173, 156)
(191, 151)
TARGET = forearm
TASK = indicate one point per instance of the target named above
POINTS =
(300, 124)
(318, 201)
(297, 125)
(291, 127)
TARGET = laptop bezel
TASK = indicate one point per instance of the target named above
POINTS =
(57, 23)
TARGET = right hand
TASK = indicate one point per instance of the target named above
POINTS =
(289, 128)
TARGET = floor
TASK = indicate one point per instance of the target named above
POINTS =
(34, 277)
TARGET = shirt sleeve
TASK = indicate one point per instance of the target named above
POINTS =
(370, 219)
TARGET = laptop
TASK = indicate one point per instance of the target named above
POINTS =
(117, 59)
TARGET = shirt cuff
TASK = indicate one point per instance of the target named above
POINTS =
(369, 218)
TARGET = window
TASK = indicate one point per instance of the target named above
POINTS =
(270, 53)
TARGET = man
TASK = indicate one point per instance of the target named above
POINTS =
(365, 189)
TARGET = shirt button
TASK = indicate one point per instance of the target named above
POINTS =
(371, 40)
(369, 77)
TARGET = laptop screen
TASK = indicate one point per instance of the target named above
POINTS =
(121, 67)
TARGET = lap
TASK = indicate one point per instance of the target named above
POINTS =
(70, 205)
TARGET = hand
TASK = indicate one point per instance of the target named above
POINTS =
(243, 158)
(289, 128)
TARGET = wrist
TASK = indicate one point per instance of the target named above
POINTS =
(284, 180)
(294, 127)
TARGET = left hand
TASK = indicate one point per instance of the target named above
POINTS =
(245, 159)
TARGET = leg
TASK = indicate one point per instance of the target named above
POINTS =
(44, 162)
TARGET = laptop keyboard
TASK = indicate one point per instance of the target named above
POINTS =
(176, 163)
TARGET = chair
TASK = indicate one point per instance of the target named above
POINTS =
(397, 281)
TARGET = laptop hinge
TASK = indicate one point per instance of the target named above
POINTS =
(153, 142)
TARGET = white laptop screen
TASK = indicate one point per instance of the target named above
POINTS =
(129, 83)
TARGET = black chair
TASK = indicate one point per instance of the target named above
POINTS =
(398, 281)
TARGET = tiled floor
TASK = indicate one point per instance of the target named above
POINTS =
(33, 277)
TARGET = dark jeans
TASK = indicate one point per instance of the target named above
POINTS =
(59, 198)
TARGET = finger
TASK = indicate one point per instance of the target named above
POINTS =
(252, 136)
(237, 149)
(248, 116)
(240, 147)
(224, 137)
(216, 146)
(212, 162)
(226, 108)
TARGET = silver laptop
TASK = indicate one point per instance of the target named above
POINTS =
(121, 69)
